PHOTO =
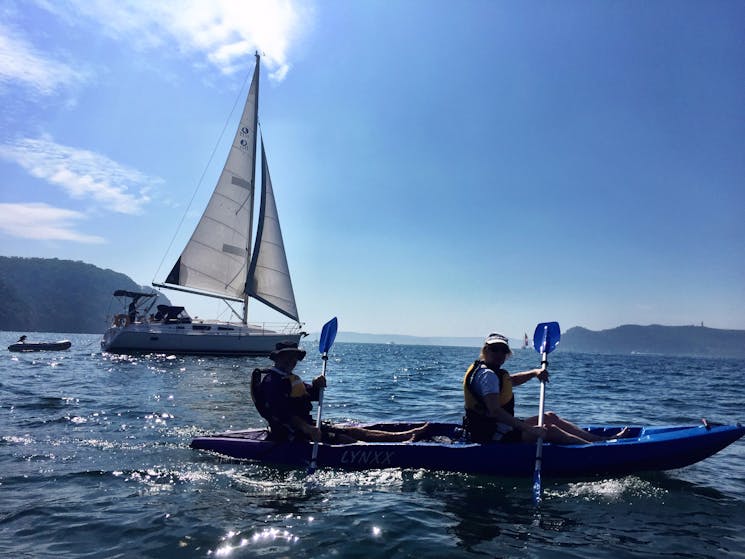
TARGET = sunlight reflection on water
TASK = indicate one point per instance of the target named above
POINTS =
(95, 462)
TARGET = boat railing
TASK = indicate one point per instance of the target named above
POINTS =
(288, 328)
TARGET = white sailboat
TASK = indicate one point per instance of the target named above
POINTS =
(218, 261)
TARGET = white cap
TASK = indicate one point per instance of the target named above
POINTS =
(495, 338)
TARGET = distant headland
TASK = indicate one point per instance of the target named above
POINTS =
(656, 339)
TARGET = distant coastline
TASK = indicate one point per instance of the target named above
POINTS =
(623, 340)
(63, 296)
(401, 339)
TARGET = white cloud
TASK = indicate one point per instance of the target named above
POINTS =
(43, 222)
(21, 63)
(82, 174)
(225, 32)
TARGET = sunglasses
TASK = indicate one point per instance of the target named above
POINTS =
(498, 348)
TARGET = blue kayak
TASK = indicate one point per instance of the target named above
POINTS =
(644, 449)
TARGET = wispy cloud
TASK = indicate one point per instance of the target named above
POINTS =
(82, 174)
(225, 32)
(22, 63)
(43, 222)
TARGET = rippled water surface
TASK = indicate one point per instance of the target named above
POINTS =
(95, 462)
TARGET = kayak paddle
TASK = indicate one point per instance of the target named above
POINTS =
(545, 340)
(328, 335)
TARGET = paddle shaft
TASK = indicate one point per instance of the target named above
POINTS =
(325, 358)
(545, 340)
(544, 366)
(313, 457)
(539, 445)
(328, 335)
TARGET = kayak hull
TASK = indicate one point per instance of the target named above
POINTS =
(648, 449)
(61, 345)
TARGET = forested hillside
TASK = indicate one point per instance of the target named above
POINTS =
(51, 295)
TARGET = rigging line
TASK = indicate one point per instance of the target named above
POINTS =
(204, 172)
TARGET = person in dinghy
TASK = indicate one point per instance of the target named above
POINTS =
(490, 404)
(285, 401)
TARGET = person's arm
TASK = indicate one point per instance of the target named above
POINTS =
(525, 376)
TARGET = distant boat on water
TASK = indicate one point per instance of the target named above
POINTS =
(22, 345)
(218, 261)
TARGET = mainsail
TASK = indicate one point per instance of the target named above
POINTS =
(215, 260)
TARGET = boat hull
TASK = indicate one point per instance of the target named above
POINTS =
(194, 339)
(650, 449)
(61, 345)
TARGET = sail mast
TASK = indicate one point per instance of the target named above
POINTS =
(257, 69)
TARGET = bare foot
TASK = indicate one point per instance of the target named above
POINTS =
(623, 433)
(419, 433)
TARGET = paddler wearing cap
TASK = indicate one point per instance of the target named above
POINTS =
(285, 401)
(490, 403)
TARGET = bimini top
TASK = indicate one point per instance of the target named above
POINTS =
(169, 313)
(132, 294)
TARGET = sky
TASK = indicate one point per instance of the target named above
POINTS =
(440, 168)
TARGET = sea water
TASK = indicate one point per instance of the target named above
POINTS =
(95, 460)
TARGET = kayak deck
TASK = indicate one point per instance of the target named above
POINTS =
(643, 449)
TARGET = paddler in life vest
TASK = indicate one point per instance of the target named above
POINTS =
(490, 404)
(284, 400)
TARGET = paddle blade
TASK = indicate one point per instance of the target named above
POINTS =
(546, 337)
(328, 335)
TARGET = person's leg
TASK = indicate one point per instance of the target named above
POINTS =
(552, 419)
(372, 435)
(553, 435)
(568, 430)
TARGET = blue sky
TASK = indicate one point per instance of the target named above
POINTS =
(440, 168)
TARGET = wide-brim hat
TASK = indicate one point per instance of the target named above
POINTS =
(287, 348)
(495, 338)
